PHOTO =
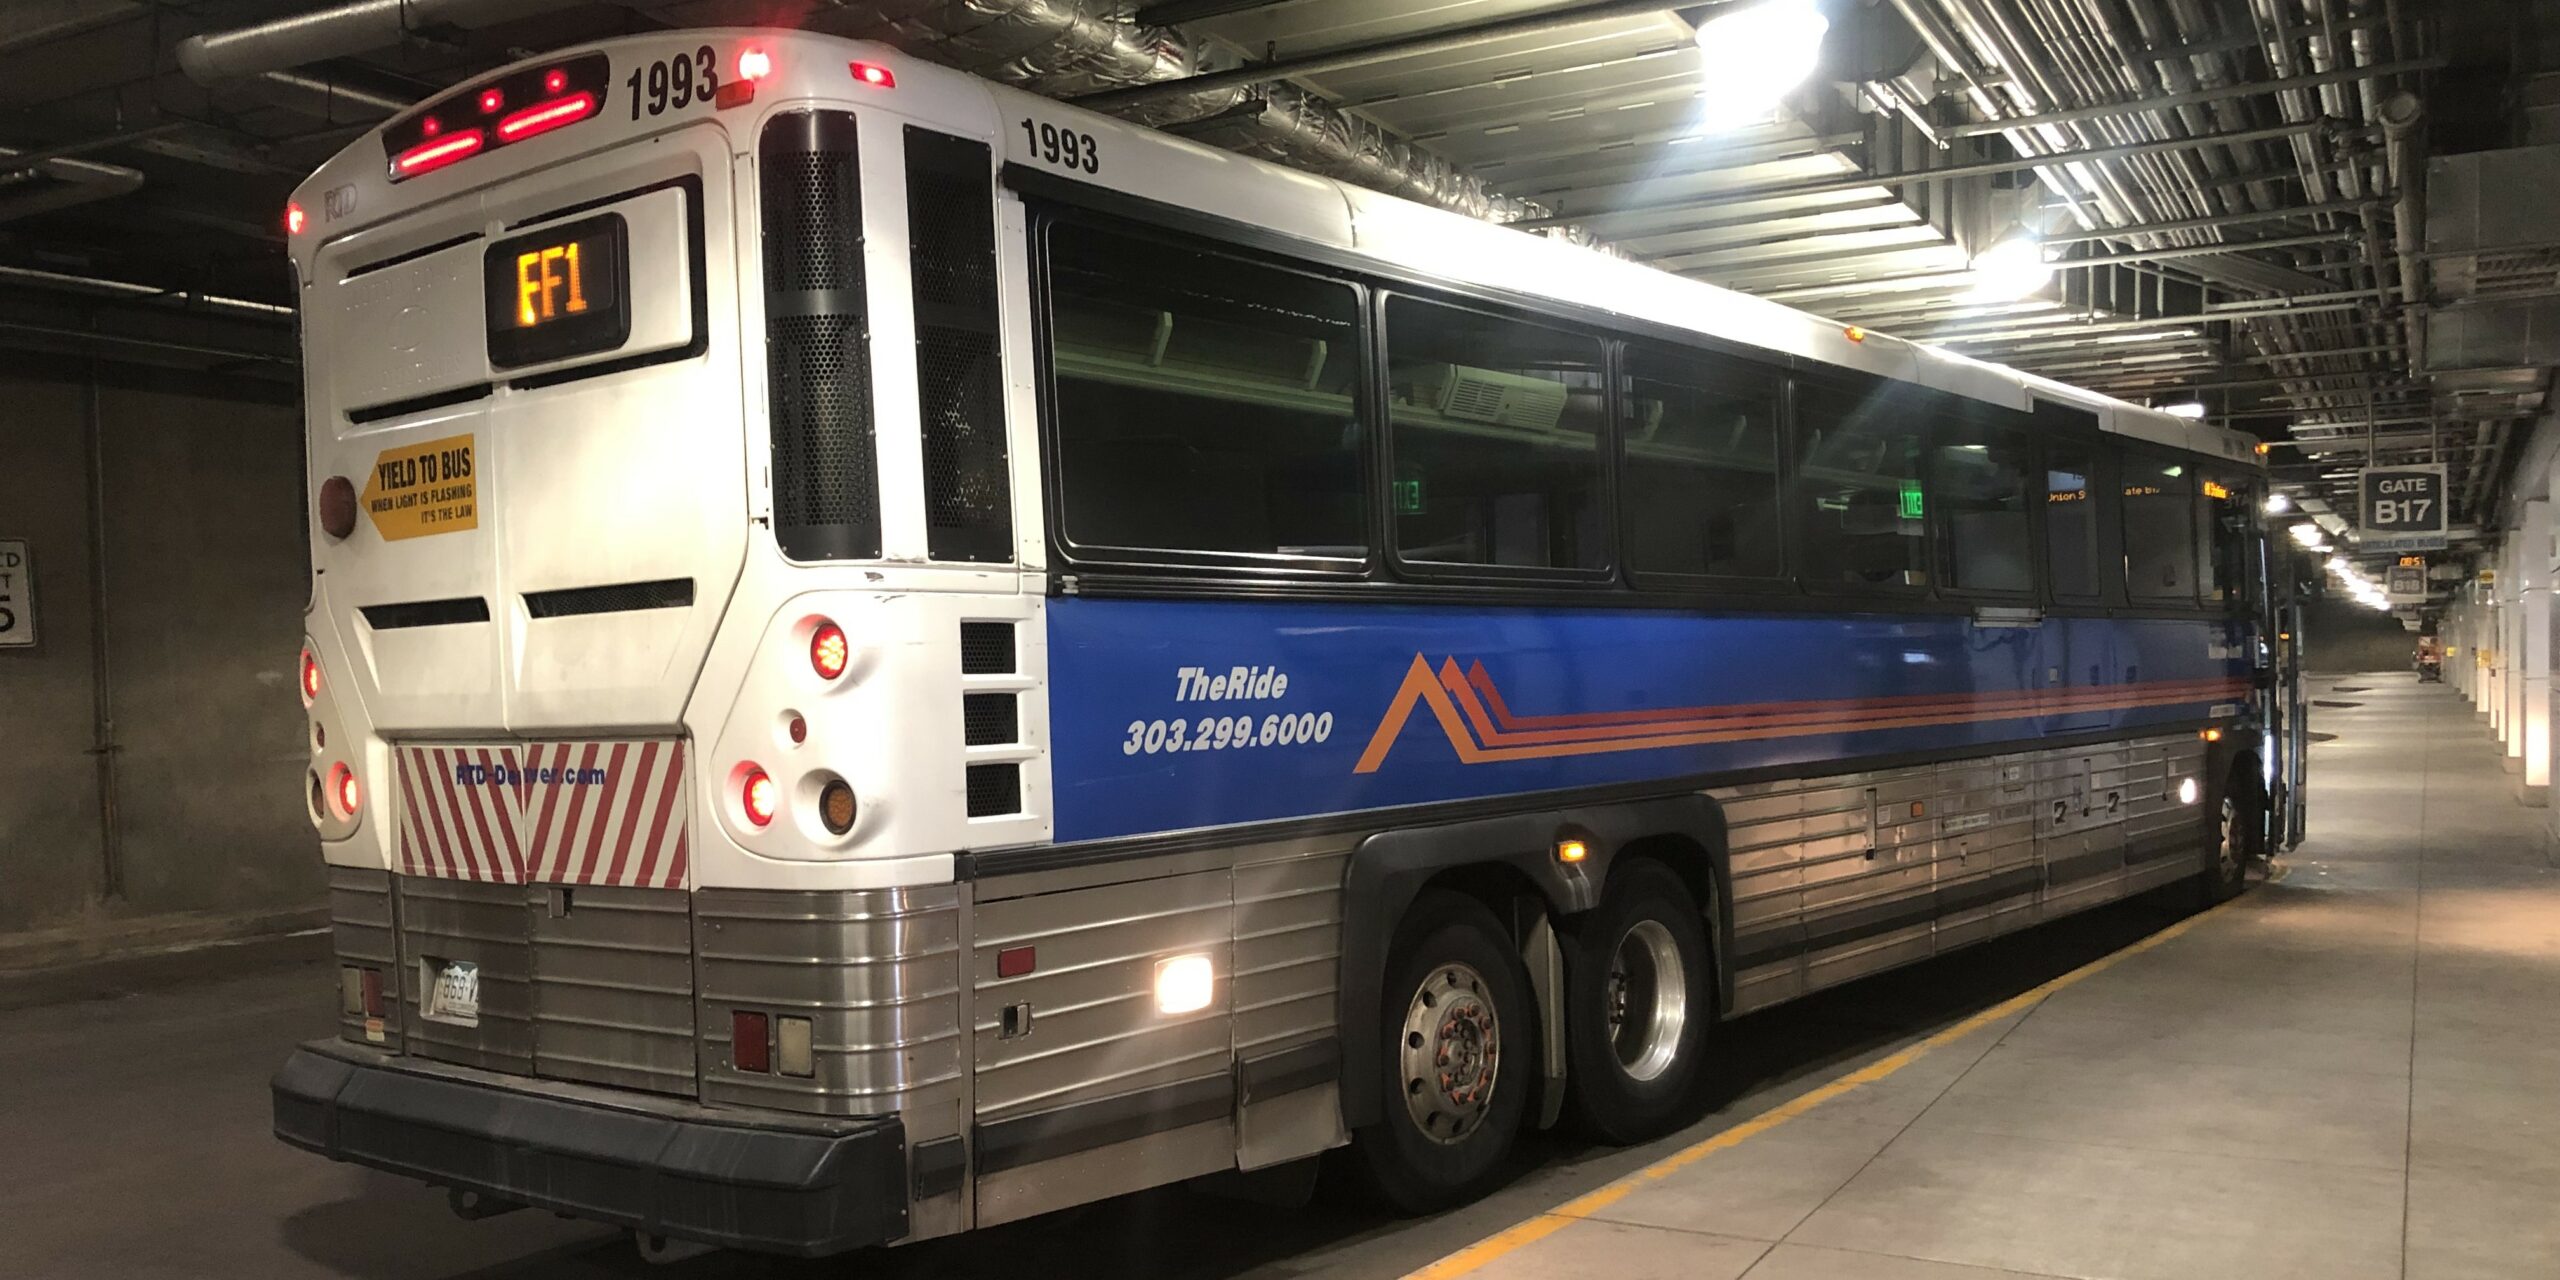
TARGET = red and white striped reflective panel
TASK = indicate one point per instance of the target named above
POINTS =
(458, 816)
(606, 813)
(546, 813)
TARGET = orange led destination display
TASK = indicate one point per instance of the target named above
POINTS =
(558, 292)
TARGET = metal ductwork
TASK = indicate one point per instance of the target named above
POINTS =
(60, 184)
(1065, 48)
(302, 38)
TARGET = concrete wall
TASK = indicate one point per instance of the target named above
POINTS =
(204, 580)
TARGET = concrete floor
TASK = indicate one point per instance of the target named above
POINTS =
(2353, 1072)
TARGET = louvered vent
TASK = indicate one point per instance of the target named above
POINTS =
(826, 493)
(995, 790)
(986, 649)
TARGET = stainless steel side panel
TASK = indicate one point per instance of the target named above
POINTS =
(878, 972)
(486, 924)
(613, 986)
(362, 932)
(1288, 962)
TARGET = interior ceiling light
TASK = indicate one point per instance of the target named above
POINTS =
(2190, 409)
(2014, 267)
(2278, 504)
(1750, 57)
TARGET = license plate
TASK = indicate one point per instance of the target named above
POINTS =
(453, 991)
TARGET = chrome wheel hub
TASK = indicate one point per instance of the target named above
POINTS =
(1647, 998)
(1451, 1054)
(2227, 858)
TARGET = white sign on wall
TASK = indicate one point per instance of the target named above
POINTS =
(17, 595)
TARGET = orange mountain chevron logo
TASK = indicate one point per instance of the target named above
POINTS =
(1482, 729)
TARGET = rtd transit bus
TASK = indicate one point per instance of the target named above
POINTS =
(887, 655)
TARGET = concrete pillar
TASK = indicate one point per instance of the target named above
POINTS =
(2532, 543)
(2511, 653)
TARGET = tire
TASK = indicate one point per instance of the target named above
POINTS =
(1453, 990)
(2240, 837)
(1639, 1005)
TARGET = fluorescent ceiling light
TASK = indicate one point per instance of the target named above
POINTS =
(1749, 57)
(2191, 409)
(2278, 504)
(2305, 533)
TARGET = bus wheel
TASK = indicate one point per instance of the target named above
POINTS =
(2239, 839)
(1638, 1004)
(1459, 1057)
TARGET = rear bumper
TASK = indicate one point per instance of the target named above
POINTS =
(665, 1168)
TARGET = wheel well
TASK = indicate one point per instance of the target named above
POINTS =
(1503, 890)
(1687, 859)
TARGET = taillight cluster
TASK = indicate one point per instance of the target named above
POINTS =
(767, 1045)
(760, 797)
(523, 105)
(336, 795)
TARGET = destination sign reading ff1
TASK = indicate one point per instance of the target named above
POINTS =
(559, 292)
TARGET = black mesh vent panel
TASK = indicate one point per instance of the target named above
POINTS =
(986, 648)
(989, 719)
(826, 493)
(994, 790)
(621, 597)
(426, 613)
(951, 235)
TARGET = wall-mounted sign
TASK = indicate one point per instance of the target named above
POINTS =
(2402, 508)
(17, 595)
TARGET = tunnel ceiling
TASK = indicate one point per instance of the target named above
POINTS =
(2219, 183)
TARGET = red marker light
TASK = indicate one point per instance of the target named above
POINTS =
(430, 127)
(760, 796)
(544, 117)
(750, 1041)
(875, 75)
(754, 64)
(293, 219)
(342, 784)
(310, 677)
(554, 80)
(490, 100)
(437, 154)
(827, 650)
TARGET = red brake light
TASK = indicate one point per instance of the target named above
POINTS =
(342, 784)
(760, 796)
(754, 64)
(875, 75)
(543, 117)
(310, 676)
(554, 80)
(292, 219)
(436, 153)
(491, 99)
(372, 984)
(430, 127)
(827, 652)
(750, 1041)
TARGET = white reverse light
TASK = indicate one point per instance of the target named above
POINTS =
(2188, 791)
(1750, 57)
(2010, 269)
(1184, 984)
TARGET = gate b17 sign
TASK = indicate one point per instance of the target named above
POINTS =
(2402, 509)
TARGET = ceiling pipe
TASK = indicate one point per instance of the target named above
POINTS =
(2403, 119)
(301, 38)
(327, 98)
(75, 182)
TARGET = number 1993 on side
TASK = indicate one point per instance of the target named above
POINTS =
(1223, 733)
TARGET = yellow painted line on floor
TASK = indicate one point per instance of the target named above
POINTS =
(1512, 1238)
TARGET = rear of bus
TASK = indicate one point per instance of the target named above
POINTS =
(657, 662)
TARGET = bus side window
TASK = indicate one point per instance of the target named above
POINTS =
(2159, 530)
(1977, 495)
(1699, 465)
(1857, 493)
(1204, 403)
(2071, 521)
(1496, 435)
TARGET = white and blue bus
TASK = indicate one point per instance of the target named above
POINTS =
(887, 655)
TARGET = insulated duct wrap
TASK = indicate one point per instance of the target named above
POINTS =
(1069, 47)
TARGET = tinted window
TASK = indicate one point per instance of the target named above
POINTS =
(2159, 530)
(1204, 403)
(1978, 496)
(2228, 513)
(1857, 489)
(2071, 522)
(1700, 480)
(1497, 427)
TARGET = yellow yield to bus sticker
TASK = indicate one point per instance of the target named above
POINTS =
(422, 489)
